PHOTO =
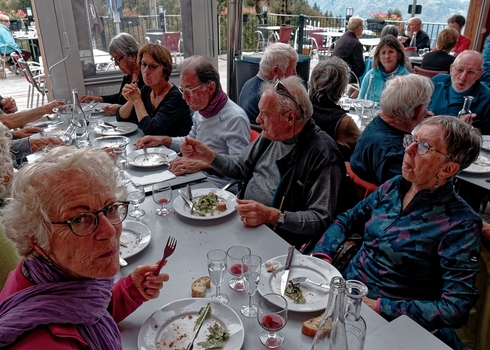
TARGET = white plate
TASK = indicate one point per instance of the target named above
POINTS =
(123, 128)
(174, 323)
(183, 209)
(98, 108)
(151, 157)
(49, 132)
(486, 142)
(46, 121)
(109, 141)
(480, 165)
(135, 237)
(301, 266)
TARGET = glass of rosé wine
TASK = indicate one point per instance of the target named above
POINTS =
(272, 316)
(162, 194)
(234, 263)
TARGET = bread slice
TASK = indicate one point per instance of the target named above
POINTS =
(310, 326)
(199, 286)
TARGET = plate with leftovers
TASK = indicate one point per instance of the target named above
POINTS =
(480, 165)
(117, 128)
(172, 326)
(134, 238)
(151, 157)
(209, 203)
(313, 298)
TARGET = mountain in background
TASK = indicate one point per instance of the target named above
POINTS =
(432, 10)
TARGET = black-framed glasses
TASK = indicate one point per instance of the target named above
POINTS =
(422, 146)
(281, 89)
(118, 59)
(189, 91)
(151, 67)
(84, 224)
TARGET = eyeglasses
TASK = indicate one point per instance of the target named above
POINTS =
(151, 67)
(281, 89)
(118, 59)
(422, 146)
(189, 91)
(84, 224)
(470, 73)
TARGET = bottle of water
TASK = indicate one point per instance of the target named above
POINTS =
(355, 325)
(79, 120)
(466, 106)
(331, 334)
(413, 42)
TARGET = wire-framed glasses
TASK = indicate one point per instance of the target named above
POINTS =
(151, 67)
(117, 60)
(84, 224)
(422, 146)
(189, 91)
(281, 89)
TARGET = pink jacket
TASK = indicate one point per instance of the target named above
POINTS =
(125, 299)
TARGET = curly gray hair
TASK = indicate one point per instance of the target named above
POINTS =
(328, 80)
(277, 54)
(33, 197)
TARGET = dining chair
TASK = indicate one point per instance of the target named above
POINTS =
(317, 42)
(261, 43)
(284, 34)
(4, 58)
(428, 73)
(362, 188)
(33, 72)
(171, 41)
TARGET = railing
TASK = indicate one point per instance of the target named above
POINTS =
(139, 26)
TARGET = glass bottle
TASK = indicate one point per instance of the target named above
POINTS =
(331, 334)
(355, 326)
(413, 42)
(79, 120)
(466, 106)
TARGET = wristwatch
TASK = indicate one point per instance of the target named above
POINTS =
(281, 218)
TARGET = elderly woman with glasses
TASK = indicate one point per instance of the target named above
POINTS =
(62, 294)
(123, 49)
(292, 172)
(389, 61)
(158, 107)
(421, 241)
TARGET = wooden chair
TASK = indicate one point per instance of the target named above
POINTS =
(428, 73)
(362, 188)
(171, 41)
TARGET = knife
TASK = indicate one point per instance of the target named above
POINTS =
(198, 327)
(285, 275)
(189, 196)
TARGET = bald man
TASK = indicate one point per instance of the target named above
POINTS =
(414, 24)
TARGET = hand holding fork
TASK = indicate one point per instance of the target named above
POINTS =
(167, 251)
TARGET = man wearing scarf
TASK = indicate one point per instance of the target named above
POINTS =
(218, 122)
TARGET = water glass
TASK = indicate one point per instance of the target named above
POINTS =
(217, 271)
(272, 315)
(234, 263)
(136, 196)
(162, 194)
(251, 265)
(120, 157)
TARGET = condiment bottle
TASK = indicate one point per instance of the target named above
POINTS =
(466, 106)
(355, 325)
(413, 42)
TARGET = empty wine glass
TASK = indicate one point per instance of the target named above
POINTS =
(234, 263)
(162, 194)
(272, 315)
(121, 159)
(251, 265)
(136, 196)
(217, 270)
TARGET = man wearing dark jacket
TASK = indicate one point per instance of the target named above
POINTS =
(422, 40)
(350, 49)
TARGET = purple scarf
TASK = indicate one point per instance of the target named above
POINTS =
(217, 103)
(56, 298)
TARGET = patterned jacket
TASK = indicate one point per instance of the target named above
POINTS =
(420, 261)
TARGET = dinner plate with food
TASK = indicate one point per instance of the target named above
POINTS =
(480, 165)
(135, 237)
(208, 204)
(301, 297)
(172, 326)
(151, 157)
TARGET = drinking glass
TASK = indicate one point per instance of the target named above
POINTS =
(162, 194)
(217, 270)
(121, 160)
(363, 110)
(136, 196)
(234, 263)
(251, 265)
(272, 316)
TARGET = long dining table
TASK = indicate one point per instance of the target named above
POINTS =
(196, 236)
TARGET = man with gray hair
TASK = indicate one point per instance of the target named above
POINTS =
(292, 171)
(278, 61)
(350, 49)
(378, 155)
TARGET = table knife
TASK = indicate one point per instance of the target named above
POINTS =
(198, 327)
(285, 275)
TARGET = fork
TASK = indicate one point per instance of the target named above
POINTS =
(167, 251)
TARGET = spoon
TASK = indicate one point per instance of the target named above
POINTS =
(122, 262)
(299, 280)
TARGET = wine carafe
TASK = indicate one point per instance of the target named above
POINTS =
(466, 106)
(80, 120)
(413, 42)
(355, 326)
(331, 334)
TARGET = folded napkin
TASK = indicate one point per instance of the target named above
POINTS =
(152, 178)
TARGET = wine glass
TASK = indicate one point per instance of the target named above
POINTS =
(136, 196)
(217, 270)
(162, 194)
(272, 316)
(121, 160)
(234, 263)
(251, 265)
